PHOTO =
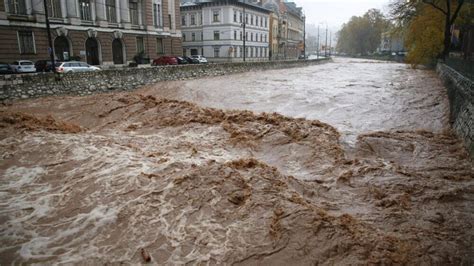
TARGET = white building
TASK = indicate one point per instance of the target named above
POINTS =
(215, 29)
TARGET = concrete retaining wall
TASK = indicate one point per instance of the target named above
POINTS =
(44, 84)
(461, 102)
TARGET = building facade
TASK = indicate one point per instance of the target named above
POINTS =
(100, 32)
(287, 29)
(215, 30)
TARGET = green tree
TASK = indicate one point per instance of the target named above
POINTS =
(405, 12)
(362, 35)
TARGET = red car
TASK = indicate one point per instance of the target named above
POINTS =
(165, 60)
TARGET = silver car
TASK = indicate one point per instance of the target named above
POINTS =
(23, 66)
(75, 66)
(200, 58)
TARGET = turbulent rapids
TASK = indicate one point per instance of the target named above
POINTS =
(125, 177)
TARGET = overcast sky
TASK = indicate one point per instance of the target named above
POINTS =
(336, 12)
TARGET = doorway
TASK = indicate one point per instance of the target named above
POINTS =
(117, 51)
(92, 51)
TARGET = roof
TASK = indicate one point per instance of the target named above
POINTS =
(196, 4)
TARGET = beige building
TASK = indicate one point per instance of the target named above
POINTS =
(287, 29)
(96, 31)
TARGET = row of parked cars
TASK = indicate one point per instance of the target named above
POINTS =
(179, 60)
(27, 66)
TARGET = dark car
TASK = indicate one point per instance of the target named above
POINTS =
(5, 68)
(191, 60)
(165, 60)
(181, 61)
(44, 65)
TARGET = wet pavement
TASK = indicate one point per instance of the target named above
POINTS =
(358, 166)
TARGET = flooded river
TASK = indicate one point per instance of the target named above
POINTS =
(350, 162)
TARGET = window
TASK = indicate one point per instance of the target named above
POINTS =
(159, 46)
(171, 21)
(251, 36)
(133, 7)
(235, 52)
(251, 51)
(261, 21)
(193, 19)
(193, 36)
(235, 16)
(261, 37)
(217, 35)
(265, 22)
(251, 19)
(246, 18)
(240, 17)
(85, 9)
(140, 45)
(235, 35)
(157, 15)
(256, 20)
(26, 42)
(240, 35)
(54, 8)
(17, 7)
(216, 51)
(240, 51)
(246, 36)
(183, 20)
(184, 52)
(215, 16)
(184, 37)
(202, 36)
(246, 51)
(111, 11)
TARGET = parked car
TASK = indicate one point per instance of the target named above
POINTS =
(191, 60)
(5, 68)
(200, 58)
(181, 61)
(23, 66)
(44, 65)
(75, 66)
(165, 60)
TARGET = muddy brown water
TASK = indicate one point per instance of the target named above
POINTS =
(357, 166)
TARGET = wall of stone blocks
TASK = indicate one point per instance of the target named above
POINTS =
(45, 84)
(461, 102)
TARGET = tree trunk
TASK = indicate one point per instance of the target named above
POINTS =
(447, 39)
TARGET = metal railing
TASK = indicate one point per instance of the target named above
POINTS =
(464, 67)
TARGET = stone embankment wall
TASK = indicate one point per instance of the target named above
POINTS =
(461, 102)
(45, 84)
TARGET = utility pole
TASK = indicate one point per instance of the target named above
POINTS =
(330, 43)
(317, 48)
(326, 45)
(48, 29)
(304, 36)
(244, 33)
